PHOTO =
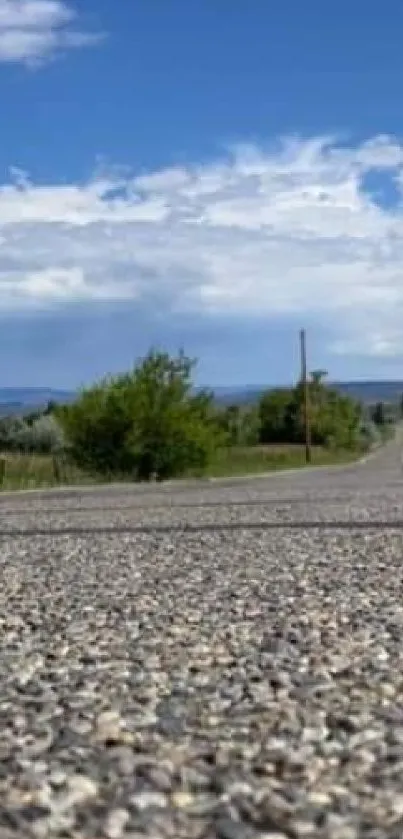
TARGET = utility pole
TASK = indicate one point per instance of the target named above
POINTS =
(305, 385)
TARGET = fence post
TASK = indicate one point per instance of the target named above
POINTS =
(57, 472)
(2, 470)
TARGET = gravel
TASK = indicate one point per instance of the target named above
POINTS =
(218, 661)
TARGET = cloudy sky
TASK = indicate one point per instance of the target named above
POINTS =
(205, 174)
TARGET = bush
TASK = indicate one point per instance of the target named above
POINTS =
(335, 419)
(370, 434)
(43, 436)
(240, 424)
(378, 414)
(277, 414)
(10, 429)
(144, 424)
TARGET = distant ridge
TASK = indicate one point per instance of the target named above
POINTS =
(33, 395)
(365, 391)
(20, 400)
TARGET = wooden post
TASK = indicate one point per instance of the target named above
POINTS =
(57, 473)
(305, 385)
(2, 470)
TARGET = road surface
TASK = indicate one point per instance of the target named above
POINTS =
(214, 660)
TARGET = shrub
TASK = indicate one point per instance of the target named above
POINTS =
(335, 419)
(240, 424)
(144, 423)
(43, 436)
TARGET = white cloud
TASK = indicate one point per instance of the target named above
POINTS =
(32, 31)
(278, 232)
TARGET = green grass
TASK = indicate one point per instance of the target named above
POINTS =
(257, 459)
(24, 471)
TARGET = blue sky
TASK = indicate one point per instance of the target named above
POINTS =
(207, 174)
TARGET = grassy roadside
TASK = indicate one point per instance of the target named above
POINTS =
(33, 471)
(24, 471)
(258, 459)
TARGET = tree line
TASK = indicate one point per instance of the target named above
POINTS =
(151, 422)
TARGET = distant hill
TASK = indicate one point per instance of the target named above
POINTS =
(366, 392)
(14, 400)
(370, 392)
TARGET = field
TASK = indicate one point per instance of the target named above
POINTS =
(25, 471)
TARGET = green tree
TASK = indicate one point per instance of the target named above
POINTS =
(335, 419)
(144, 423)
(277, 415)
(240, 424)
(51, 407)
(379, 416)
(250, 426)
(229, 421)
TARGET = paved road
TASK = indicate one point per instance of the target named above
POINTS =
(214, 660)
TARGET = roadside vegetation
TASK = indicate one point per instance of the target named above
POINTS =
(151, 424)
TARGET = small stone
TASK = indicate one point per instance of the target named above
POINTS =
(195, 779)
(203, 805)
(125, 760)
(158, 777)
(237, 789)
(143, 800)
(80, 789)
(388, 690)
(58, 778)
(182, 799)
(314, 735)
(5, 750)
(108, 726)
(228, 828)
(270, 836)
(337, 827)
(319, 799)
(383, 655)
(116, 823)
(363, 737)
(81, 726)
(303, 828)
(59, 823)
(397, 806)
(33, 812)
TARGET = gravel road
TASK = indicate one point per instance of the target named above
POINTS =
(221, 661)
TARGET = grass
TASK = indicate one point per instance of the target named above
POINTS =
(25, 471)
(257, 459)
(33, 471)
